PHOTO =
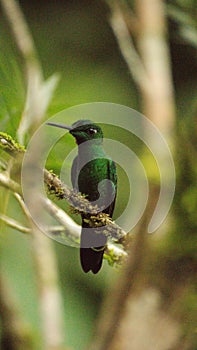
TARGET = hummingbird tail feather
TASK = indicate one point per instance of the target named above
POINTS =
(91, 250)
(91, 260)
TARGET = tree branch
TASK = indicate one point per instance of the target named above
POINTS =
(113, 253)
(76, 200)
(126, 45)
(83, 206)
(39, 93)
(16, 333)
(14, 224)
(6, 182)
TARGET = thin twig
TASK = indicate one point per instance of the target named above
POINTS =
(127, 48)
(14, 224)
(6, 182)
(22, 205)
(39, 92)
(158, 100)
(20, 30)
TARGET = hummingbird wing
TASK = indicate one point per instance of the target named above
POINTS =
(93, 244)
(92, 256)
(112, 176)
(74, 171)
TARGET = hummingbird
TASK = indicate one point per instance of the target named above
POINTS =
(94, 175)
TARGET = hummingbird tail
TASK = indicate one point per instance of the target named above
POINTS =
(91, 260)
(91, 250)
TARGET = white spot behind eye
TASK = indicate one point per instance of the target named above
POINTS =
(92, 131)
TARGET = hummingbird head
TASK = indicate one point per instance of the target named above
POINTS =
(86, 130)
(83, 130)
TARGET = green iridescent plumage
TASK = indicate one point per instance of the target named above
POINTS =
(94, 175)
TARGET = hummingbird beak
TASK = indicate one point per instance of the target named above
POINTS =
(60, 126)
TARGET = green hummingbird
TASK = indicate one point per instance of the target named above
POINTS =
(94, 175)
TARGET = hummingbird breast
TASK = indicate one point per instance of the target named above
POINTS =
(96, 179)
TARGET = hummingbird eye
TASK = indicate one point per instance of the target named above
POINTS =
(92, 131)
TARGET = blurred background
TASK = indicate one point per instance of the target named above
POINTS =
(78, 41)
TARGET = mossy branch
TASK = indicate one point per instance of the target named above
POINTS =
(83, 206)
(8, 144)
(80, 204)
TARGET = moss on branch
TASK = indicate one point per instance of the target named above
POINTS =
(9, 145)
(77, 201)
